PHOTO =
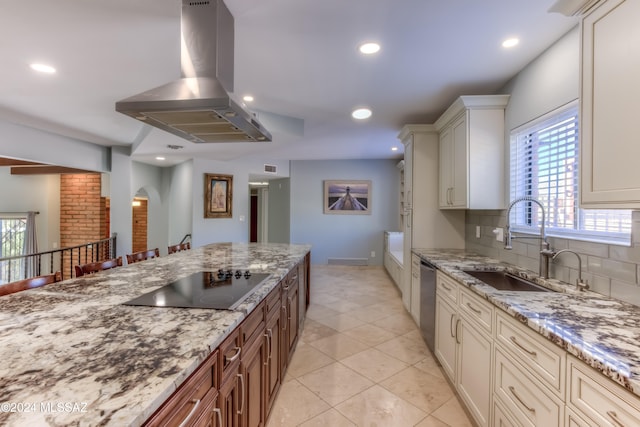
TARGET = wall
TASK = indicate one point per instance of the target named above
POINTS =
(279, 221)
(178, 192)
(41, 193)
(235, 229)
(25, 143)
(343, 236)
(80, 217)
(149, 179)
(547, 83)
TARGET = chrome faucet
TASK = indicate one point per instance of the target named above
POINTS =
(544, 244)
(580, 285)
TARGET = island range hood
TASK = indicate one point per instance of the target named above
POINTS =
(197, 106)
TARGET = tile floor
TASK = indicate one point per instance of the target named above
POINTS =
(361, 361)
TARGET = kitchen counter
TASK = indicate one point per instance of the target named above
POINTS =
(600, 331)
(72, 354)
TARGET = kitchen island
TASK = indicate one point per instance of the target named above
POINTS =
(73, 354)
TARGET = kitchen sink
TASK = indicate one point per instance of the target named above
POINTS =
(503, 281)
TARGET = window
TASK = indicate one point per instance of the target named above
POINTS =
(12, 240)
(545, 166)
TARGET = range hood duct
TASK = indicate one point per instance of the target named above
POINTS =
(197, 106)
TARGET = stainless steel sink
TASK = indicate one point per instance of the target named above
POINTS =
(504, 281)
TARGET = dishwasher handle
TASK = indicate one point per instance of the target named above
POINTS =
(427, 265)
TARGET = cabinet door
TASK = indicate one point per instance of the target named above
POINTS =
(415, 288)
(273, 359)
(229, 400)
(408, 173)
(446, 346)
(459, 165)
(474, 371)
(446, 172)
(252, 409)
(609, 149)
(293, 304)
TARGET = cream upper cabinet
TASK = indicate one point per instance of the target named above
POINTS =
(471, 162)
(610, 177)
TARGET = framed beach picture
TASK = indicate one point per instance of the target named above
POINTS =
(350, 197)
(218, 198)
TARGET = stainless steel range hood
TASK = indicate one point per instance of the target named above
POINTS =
(197, 106)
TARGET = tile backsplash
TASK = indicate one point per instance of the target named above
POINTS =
(611, 270)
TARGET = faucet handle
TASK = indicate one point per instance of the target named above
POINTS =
(548, 253)
(582, 286)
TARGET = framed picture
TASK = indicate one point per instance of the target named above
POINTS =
(347, 197)
(218, 198)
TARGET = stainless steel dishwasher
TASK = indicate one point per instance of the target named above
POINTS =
(428, 303)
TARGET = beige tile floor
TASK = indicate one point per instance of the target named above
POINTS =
(361, 361)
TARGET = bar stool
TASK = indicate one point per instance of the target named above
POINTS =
(179, 247)
(33, 282)
(92, 267)
(142, 255)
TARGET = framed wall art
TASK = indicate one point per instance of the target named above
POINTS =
(350, 197)
(218, 198)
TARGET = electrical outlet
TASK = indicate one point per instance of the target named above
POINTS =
(477, 231)
(373, 254)
(499, 232)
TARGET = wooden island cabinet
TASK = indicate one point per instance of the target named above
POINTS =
(238, 383)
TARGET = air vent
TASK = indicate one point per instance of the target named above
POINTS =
(270, 168)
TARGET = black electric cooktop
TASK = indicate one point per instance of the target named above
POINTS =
(222, 290)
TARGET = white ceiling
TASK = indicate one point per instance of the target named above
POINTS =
(298, 58)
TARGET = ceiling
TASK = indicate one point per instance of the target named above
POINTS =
(298, 58)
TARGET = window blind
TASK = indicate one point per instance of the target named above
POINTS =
(545, 166)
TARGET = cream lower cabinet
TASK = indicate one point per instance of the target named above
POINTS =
(598, 401)
(530, 375)
(506, 374)
(464, 344)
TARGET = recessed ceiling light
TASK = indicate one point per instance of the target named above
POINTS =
(160, 158)
(394, 148)
(43, 68)
(361, 113)
(369, 48)
(248, 98)
(510, 42)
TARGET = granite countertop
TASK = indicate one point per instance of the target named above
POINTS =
(72, 354)
(600, 331)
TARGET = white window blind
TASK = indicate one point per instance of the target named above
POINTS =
(545, 166)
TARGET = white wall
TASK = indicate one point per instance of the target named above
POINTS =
(149, 179)
(41, 193)
(178, 193)
(343, 236)
(25, 143)
(548, 82)
(209, 230)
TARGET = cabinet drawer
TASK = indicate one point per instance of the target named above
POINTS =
(599, 399)
(477, 310)
(230, 350)
(501, 417)
(274, 301)
(189, 400)
(253, 326)
(527, 401)
(574, 420)
(447, 288)
(291, 278)
(545, 360)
